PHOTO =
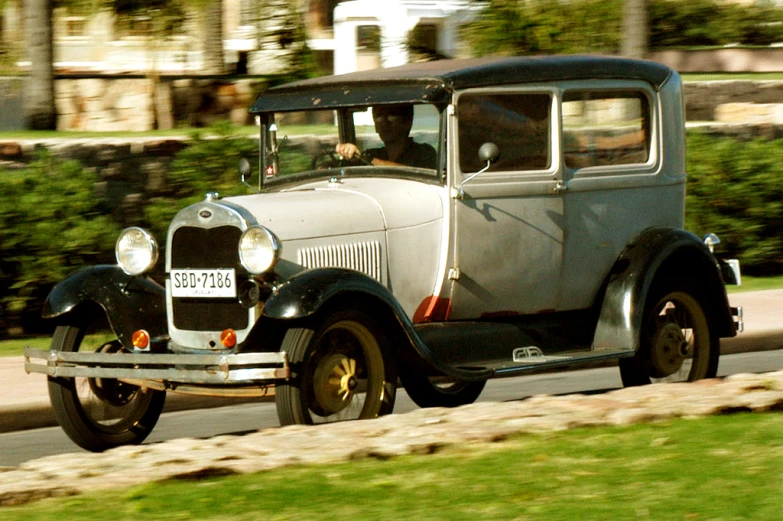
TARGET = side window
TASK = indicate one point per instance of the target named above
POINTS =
(602, 128)
(518, 123)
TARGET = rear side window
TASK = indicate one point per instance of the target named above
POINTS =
(518, 123)
(603, 128)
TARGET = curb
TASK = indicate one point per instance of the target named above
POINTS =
(38, 414)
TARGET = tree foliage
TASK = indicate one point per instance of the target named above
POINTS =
(512, 27)
(518, 27)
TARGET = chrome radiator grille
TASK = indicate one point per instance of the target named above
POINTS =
(207, 248)
(364, 257)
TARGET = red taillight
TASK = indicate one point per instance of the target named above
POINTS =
(228, 338)
(140, 339)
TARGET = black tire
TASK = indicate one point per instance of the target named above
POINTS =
(100, 413)
(677, 343)
(435, 391)
(342, 369)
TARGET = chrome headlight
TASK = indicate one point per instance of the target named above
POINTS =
(136, 251)
(259, 250)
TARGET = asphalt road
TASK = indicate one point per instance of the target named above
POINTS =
(18, 447)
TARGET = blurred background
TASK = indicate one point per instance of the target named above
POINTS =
(118, 112)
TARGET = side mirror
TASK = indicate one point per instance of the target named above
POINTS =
(487, 153)
(245, 172)
(244, 169)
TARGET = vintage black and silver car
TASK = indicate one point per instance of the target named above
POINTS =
(433, 225)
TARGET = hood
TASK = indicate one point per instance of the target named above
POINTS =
(346, 207)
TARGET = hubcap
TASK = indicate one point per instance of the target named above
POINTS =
(111, 391)
(335, 382)
(670, 347)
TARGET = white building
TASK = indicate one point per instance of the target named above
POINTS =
(370, 34)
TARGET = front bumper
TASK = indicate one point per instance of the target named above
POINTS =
(169, 369)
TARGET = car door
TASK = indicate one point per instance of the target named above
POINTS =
(507, 223)
(614, 181)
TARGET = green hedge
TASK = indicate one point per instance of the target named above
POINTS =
(735, 190)
(55, 220)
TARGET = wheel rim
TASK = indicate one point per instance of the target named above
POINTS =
(347, 374)
(109, 405)
(678, 337)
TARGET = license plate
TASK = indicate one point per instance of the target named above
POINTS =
(203, 283)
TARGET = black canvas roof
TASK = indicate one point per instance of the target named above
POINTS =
(433, 82)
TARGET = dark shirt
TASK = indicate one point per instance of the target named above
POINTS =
(419, 155)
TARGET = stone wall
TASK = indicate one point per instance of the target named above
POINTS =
(703, 98)
(136, 103)
(729, 59)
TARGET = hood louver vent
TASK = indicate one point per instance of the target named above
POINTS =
(364, 257)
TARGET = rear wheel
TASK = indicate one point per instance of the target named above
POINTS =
(439, 391)
(100, 413)
(677, 344)
(342, 369)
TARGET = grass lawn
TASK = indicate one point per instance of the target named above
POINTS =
(717, 468)
(757, 76)
(15, 346)
(757, 284)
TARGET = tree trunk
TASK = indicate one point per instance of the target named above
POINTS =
(39, 108)
(214, 62)
(635, 28)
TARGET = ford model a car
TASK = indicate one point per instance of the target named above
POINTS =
(434, 225)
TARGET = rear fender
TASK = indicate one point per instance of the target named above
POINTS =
(130, 303)
(658, 252)
(310, 291)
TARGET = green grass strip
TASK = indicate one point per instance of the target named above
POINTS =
(718, 468)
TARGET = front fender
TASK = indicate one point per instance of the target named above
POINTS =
(130, 303)
(658, 251)
(306, 293)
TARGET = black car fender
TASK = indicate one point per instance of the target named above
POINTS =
(659, 252)
(308, 292)
(130, 303)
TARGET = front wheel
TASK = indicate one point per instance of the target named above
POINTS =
(677, 344)
(100, 413)
(342, 369)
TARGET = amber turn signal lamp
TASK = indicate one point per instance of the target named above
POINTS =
(140, 339)
(228, 338)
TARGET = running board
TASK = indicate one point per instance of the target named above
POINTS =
(527, 359)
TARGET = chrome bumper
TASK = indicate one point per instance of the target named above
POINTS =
(211, 369)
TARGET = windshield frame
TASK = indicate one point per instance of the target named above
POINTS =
(271, 139)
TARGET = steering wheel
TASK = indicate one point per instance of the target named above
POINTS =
(331, 159)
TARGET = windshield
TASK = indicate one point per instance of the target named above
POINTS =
(386, 140)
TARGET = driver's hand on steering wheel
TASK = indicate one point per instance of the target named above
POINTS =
(347, 150)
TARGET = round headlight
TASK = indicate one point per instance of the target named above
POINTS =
(259, 250)
(136, 251)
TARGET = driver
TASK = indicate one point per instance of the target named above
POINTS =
(393, 124)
